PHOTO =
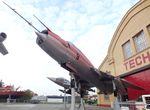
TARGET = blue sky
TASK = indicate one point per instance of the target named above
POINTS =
(89, 24)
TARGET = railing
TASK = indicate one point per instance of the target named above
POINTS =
(131, 106)
(11, 100)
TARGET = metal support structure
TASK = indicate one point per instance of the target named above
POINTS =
(116, 104)
(74, 87)
(81, 105)
(72, 99)
(65, 98)
(9, 98)
(114, 89)
(72, 92)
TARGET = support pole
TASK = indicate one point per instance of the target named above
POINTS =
(65, 98)
(72, 92)
(9, 98)
(73, 88)
(72, 99)
(116, 104)
(81, 106)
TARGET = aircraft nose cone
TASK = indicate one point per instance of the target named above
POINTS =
(40, 38)
(41, 35)
(37, 33)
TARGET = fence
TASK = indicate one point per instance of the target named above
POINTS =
(11, 100)
(131, 106)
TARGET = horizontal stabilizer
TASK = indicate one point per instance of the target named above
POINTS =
(130, 85)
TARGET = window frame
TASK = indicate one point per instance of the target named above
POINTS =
(148, 28)
(140, 49)
(123, 50)
(106, 97)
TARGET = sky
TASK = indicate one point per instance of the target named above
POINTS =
(89, 24)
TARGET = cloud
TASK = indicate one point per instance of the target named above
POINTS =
(95, 40)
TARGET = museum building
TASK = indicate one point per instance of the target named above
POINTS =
(128, 54)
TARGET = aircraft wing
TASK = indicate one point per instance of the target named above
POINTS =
(120, 83)
(102, 75)
(131, 85)
(3, 49)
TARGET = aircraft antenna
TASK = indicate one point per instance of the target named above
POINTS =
(42, 23)
(21, 16)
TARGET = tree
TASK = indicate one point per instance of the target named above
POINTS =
(28, 94)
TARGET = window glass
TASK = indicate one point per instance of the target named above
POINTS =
(127, 50)
(140, 42)
(106, 97)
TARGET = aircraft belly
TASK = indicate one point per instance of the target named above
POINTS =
(85, 73)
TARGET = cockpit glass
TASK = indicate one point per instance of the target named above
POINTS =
(44, 31)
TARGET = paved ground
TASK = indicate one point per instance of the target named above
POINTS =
(43, 107)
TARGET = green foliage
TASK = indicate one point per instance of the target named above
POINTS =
(27, 95)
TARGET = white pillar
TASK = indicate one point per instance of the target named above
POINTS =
(65, 98)
(72, 99)
(81, 106)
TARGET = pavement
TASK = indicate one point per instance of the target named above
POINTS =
(4, 106)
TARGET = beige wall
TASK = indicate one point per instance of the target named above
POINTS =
(136, 24)
(135, 20)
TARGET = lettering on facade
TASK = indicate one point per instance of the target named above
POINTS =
(137, 61)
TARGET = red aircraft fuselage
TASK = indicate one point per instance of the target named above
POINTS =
(72, 59)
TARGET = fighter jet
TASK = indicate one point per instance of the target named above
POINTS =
(3, 49)
(60, 81)
(72, 59)
(63, 83)
(84, 75)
